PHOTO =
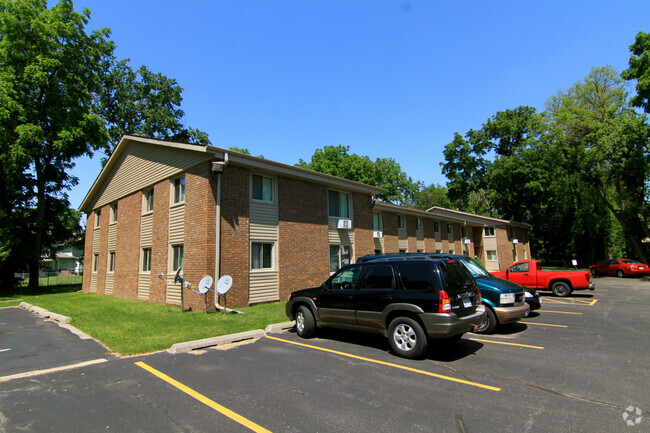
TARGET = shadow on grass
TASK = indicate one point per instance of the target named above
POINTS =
(17, 292)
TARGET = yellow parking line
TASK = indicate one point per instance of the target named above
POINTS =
(544, 324)
(508, 344)
(401, 367)
(558, 312)
(573, 302)
(203, 399)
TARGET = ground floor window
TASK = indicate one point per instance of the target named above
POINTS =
(95, 261)
(177, 256)
(340, 256)
(262, 255)
(146, 259)
(111, 261)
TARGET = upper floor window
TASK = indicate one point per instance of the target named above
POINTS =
(178, 190)
(114, 212)
(262, 188)
(464, 232)
(418, 224)
(450, 229)
(489, 231)
(376, 221)
(339, 205)
(401, 222)
(147, 201)
(436, 226)
(98, 218)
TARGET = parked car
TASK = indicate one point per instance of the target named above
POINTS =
(504, 301)
(621, 268)
(533, 299)
(408, 301)
(529, 273)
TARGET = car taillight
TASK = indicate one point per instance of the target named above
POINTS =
(478, 290)
(444, 304)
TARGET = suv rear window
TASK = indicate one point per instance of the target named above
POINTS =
(457, 278)
(416, 276)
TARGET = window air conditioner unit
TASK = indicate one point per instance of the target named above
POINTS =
(515, 241)
(467, 241)
(377, 234)
(344, 224)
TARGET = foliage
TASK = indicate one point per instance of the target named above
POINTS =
(244, 150)
(383, 172)
(430, 196)
(640, 70)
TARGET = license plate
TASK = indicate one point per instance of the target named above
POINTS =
(467, 303)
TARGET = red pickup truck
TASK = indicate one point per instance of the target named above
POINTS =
(528, 273)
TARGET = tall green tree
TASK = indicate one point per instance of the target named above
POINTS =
(429, 196)
(49, 72)
(141, 102)
(383, 172)
(639, 70)
(606, 143)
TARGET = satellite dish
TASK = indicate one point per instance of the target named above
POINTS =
(224, 284)
(205, 284)
(177, 277)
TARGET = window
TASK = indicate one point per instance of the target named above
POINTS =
(146, 259)
(98, 217)
(95, 262)
(489, 231)
(463, 232)
(345, 280)
(178, 190)
(378, 277)
(450, 229)
(418, 224)
(451, 250)
(262, 255)
(376, 221)
(177, 256)
(113, 213)
(416, 277)
(147, 201)
(339, 256)
(521, 267)
(338, 204)
(436, 226)
(491, 254)
(262, 188)
(401, 223)
(111, 261)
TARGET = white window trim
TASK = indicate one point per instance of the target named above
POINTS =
(350, 209)
(111, 255)
(172, 192)
(142, 249)
(171, 255)
(403, 219)
(274, 256)
(145, 201)
(114, 213)
(493, 231)
(381, 222)
(491, 260)
(274, 189)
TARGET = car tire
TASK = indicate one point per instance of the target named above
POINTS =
(620, 274)
(488, 324)
(561, 289)
(305, 323)
(407, 338)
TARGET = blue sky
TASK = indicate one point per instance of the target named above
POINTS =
(389, 78)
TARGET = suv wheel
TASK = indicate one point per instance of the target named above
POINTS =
(406, 337)
(488, 324)
(305, 323)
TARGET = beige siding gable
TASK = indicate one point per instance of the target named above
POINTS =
(142, 165)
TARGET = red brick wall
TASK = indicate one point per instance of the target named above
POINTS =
(159, 242)
(391, 242)
(235, 254)
(127, 247)
(364, 243)
(429, 236)
(102, 263)
(88, 252)
(504, 247)
(199, 234)
(303, 235)
(412, 243)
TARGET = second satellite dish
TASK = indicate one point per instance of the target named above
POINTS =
(224, 284)
(205, 284)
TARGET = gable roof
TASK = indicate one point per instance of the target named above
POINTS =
(140, 162)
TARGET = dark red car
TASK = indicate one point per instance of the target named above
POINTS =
(620, 268)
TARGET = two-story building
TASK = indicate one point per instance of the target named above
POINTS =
(157, 206)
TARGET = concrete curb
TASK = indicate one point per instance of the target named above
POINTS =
(227, 339)
(44, 313)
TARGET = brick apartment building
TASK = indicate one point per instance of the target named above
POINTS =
(274, 228)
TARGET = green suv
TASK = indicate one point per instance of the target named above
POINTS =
(408, 300)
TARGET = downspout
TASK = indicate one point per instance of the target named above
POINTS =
(217, 168)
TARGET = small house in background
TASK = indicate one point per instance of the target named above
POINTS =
(67, 261)
(274, 228)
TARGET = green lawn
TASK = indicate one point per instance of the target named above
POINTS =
(133, 327)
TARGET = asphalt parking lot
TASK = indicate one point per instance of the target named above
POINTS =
(581, 364)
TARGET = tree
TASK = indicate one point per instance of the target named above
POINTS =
(142, 103)
(606, 143)
(640, 70)
(49, 72)
(430, 196)
(384, 172)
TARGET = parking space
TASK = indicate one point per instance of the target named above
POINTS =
(581, 374)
